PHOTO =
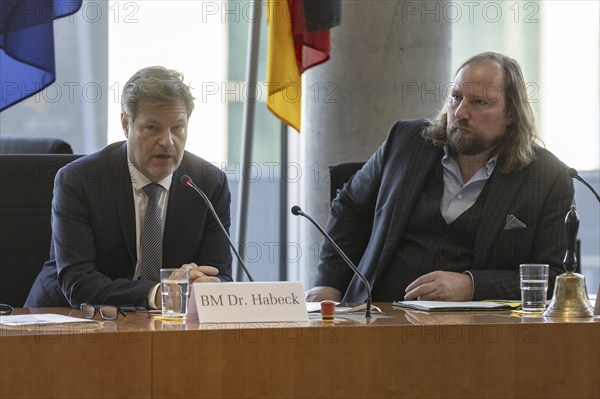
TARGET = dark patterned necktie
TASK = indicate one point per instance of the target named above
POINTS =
(152, 235)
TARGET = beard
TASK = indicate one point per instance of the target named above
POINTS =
(471, 142)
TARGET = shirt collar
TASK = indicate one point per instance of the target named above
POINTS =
(450, 163)
(490, 165)
(139, 181)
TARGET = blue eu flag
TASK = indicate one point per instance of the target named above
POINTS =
(27, 46)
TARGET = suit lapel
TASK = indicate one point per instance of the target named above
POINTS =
(122, 192)
(407, 175)
(502, 191)
(407, 187)
(178, 207)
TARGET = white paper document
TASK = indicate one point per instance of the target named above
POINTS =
(316, 307)
(444, 306)
(42, 318)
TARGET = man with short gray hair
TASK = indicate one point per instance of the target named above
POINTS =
(121, 214)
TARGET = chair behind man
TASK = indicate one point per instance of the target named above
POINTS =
(25, 204)
(340, 174)
(33, 145)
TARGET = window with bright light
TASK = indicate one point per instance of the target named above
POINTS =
(180, 35)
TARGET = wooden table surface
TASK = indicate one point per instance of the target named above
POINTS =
(398, 354)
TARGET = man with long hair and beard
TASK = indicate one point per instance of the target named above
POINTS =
(448, 209)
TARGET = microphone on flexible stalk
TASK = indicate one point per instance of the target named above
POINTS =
(573, 173)
(188, 182)
(297, 211)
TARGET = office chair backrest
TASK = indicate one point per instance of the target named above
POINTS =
(33, 145)
(26, 183)
(340, 174)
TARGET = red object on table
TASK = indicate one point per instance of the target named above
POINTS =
(327, 310)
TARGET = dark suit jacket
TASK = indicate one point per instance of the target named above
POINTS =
(370, 213)
(93, 253)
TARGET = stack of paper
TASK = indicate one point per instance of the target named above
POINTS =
(444, 306)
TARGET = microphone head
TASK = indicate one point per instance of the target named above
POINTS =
(296, 210)
(572, 172)
(185, 180)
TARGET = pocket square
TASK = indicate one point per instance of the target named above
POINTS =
(513, 223)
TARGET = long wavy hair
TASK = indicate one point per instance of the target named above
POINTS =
(517, 149)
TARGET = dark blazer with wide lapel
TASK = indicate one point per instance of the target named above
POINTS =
(93, 253)
(370, 213)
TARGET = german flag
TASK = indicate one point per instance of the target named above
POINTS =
(299, 38)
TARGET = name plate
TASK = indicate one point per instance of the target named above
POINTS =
(270, 301)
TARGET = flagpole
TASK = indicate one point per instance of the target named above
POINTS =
(248, 131)
(283, 204)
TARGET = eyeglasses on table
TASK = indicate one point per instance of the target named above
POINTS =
(5, 309)
(107, 312)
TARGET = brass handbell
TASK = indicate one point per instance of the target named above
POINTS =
(570, 299)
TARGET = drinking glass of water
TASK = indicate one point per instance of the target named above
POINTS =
(534, 286)
(174, 286)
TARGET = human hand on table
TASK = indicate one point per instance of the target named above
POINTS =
(441, 286)
(202, 274)
(322, 293)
